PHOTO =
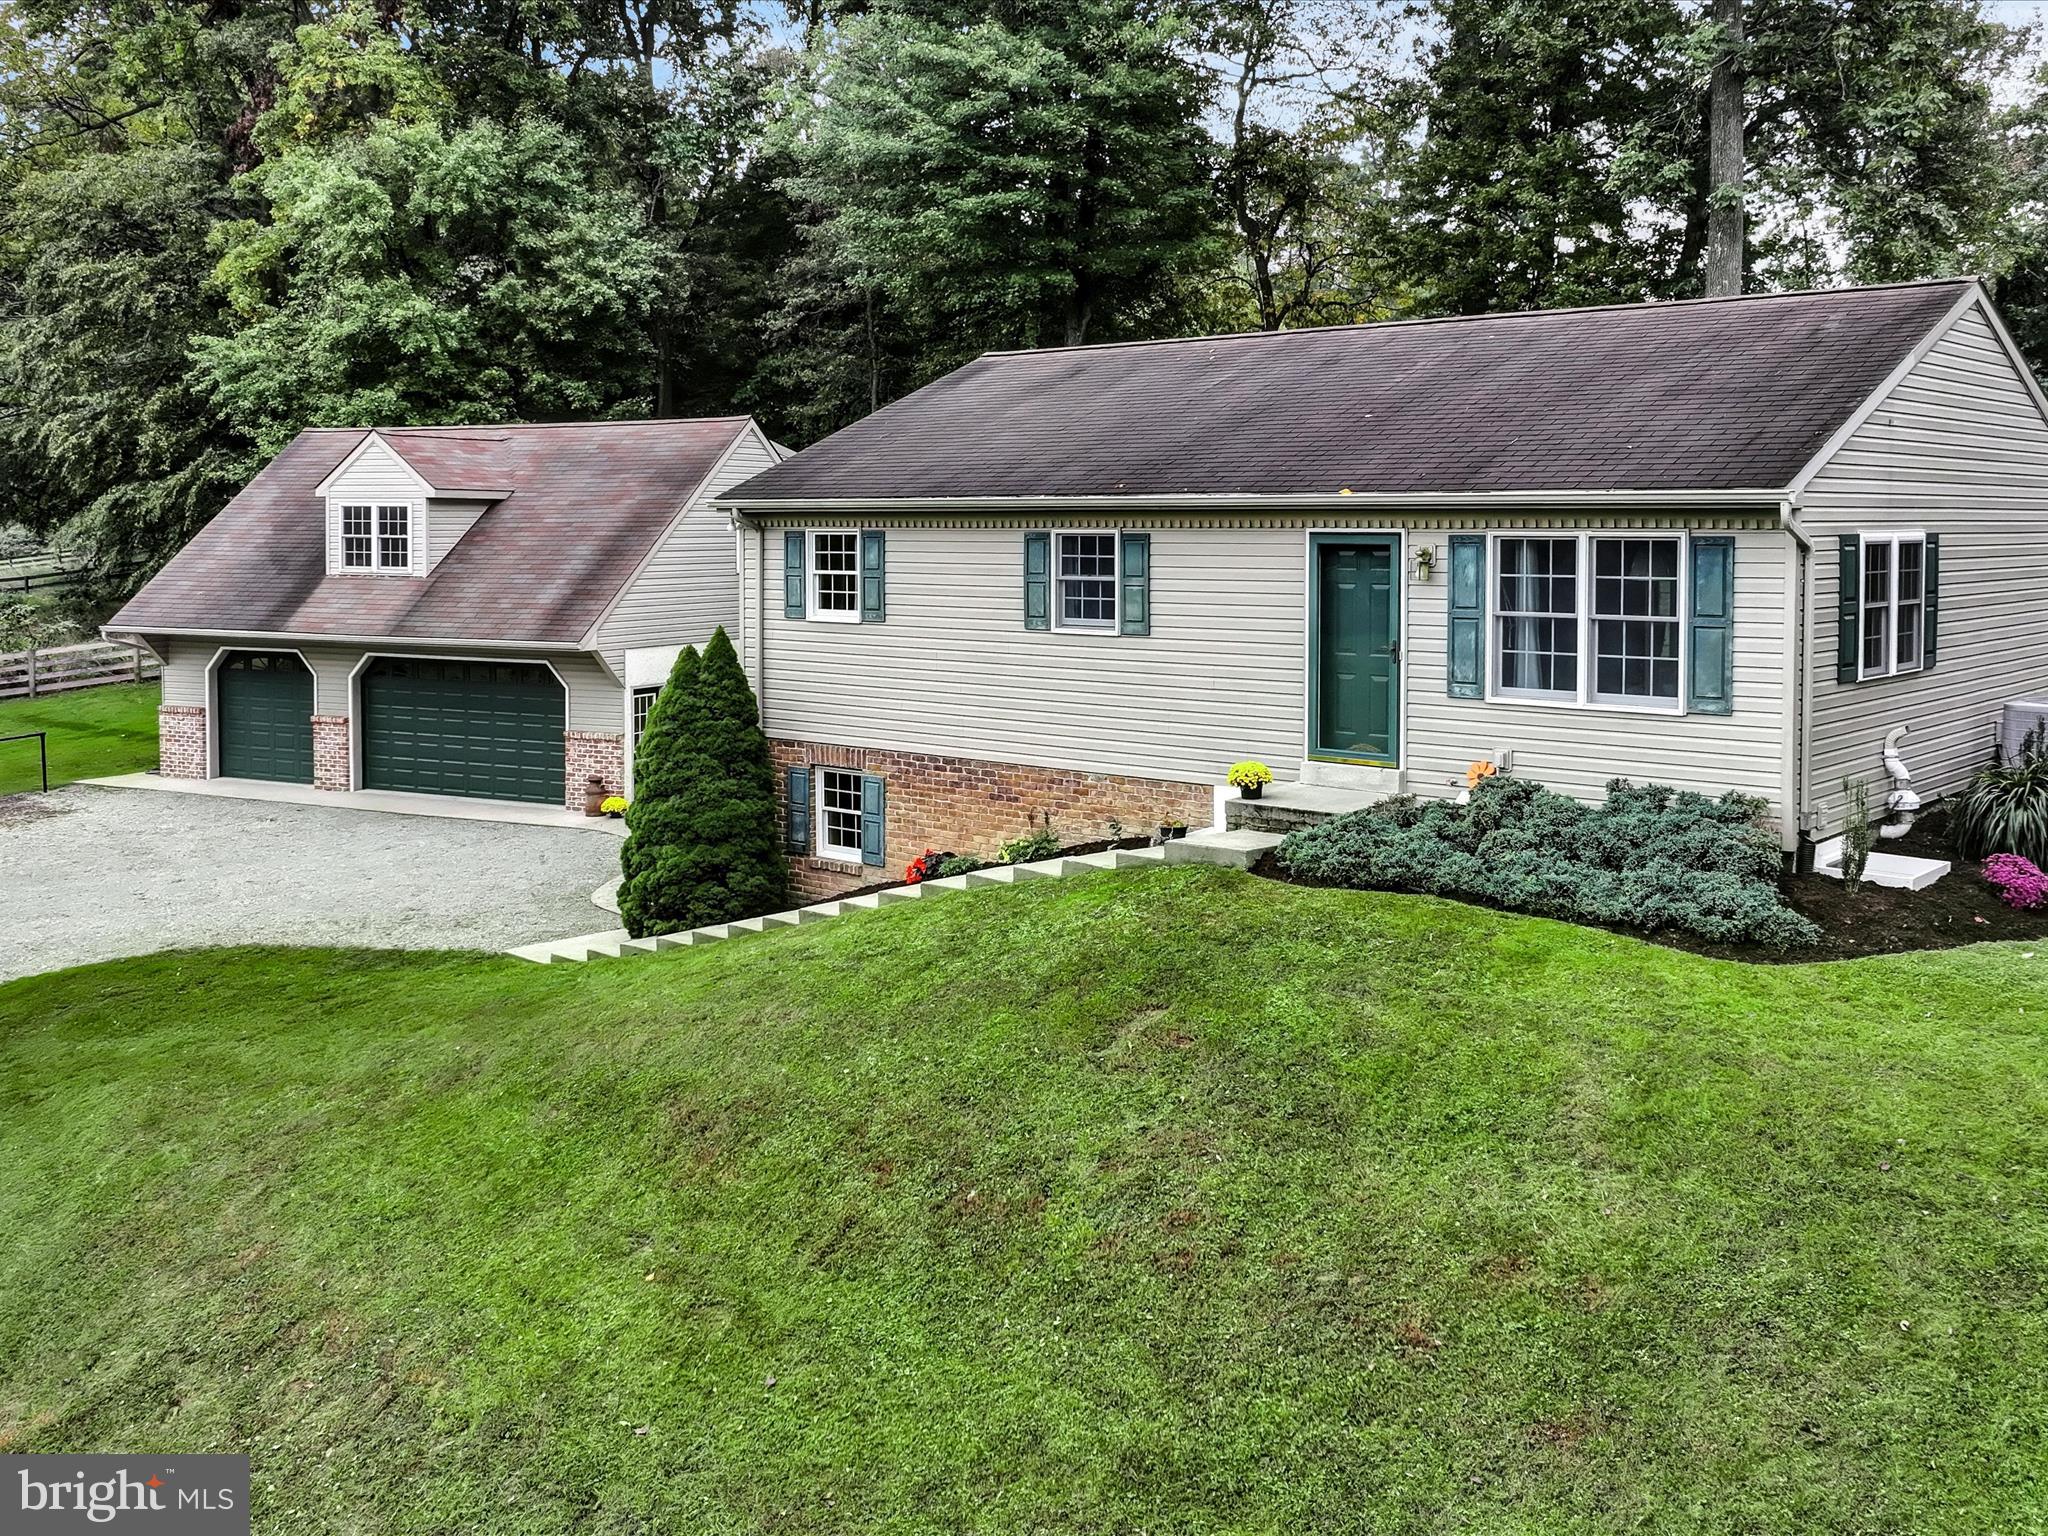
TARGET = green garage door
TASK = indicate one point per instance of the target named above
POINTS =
(492, 729)
(265, 703)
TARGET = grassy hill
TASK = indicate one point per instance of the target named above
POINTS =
(1157, 1201)
(93, 732)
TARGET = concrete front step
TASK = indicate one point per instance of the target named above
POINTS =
(617, 942)
(1285, 808)
(1233, 848)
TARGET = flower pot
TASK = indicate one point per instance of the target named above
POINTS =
(1168, 834)
(1250, 791)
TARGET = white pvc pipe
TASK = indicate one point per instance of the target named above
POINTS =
(1903, 803)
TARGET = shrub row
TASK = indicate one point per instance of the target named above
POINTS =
(1647, 858)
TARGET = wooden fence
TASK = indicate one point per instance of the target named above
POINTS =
(60, 668)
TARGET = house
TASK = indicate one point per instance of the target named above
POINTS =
(473, 611)
(1721, 544)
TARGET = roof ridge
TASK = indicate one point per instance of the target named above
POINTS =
(508, 426)
(1496, 314)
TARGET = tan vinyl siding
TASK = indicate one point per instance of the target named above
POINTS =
(1222, 676)
(447, 522)
(691, 585)
(184, 676)
(1958, 448)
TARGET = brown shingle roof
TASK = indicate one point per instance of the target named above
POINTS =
(1706, 395)
(587, 503)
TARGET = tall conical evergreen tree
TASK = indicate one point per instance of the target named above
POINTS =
(703, 842)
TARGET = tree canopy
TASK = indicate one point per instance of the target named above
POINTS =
(225, 223)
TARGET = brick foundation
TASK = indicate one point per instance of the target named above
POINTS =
(181, 741)
(964, 805)
(330, 752)
(592, 754)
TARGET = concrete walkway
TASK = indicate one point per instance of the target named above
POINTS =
(89, 873)
(390, 802)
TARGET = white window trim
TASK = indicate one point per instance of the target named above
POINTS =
(415, 535)
(1583, 698)
(813, 613)
(1116, 582)
(838, 852)
(1892, 538)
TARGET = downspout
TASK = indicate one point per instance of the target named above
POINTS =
(1903, 804)
(1798, 719)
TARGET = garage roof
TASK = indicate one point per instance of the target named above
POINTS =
(580, 506)
(1706, 395)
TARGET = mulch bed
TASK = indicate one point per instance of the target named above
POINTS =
(1959, 908)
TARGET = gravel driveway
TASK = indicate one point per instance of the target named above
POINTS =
(88, 873)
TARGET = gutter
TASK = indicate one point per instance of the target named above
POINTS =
(1323, 501)
(1798, 709)
(309, 637)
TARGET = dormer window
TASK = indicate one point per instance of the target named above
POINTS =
(376, 537)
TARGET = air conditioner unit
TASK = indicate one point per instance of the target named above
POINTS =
(2018, 718)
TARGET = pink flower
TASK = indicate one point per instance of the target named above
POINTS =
(2019, 882)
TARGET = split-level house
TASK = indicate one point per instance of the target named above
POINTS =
(1724, 545)
(470, 611)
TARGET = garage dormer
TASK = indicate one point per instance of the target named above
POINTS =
(385, 518)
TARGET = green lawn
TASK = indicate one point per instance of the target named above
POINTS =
(1162, 1201)
(93, 732)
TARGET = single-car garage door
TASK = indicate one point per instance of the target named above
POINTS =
(264, 701)
(492, 729)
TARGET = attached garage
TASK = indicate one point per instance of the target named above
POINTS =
(264, 709)
(491, 729)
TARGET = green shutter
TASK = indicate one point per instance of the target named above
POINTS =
(1465, 662)
(798, 832)
(873, 606)
(1849, 586)
(1134, 603)
(1710, 690)
(872, 838)
(1038, 581)
(1930, 613)
(793, 574)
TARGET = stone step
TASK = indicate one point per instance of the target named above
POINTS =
(1285, 808)
(1233, 848)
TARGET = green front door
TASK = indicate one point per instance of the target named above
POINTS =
(492, 729)
(264, 701)
(1354, 655)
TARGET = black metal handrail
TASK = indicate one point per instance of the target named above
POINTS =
(42, 748)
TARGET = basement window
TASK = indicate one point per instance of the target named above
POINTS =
(839, 814)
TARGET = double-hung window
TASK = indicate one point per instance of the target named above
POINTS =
(1589, 619)
(839, 807)
(643, 706)
(356, 546)
(1635, 620)
(394, 538)
(1893, 603)
(1537, 617)
(835, 575)
(1087, 581)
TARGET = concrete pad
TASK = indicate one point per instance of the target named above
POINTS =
(1894, 871)
(1232, 850)
(390, 801)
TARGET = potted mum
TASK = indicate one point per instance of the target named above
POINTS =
(1249, 779)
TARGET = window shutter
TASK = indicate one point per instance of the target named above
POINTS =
(1465, 663)
(1930, 611)
(872, 840)
(1038, 581)
(799, 829)
(1134, 601)
(873, 586)
(1848, 636)
(793, 574)
(1711, 688)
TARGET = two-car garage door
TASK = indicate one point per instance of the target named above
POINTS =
(492, 729)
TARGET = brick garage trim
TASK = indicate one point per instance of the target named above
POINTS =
(592, 754)
(332, 755)
(968, 805)
(181, 741)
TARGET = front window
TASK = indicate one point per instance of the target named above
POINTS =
(838, 814)
(1087, 581)
(835, 576)
(1537, 616)
(1893, 604)
(1635, 619)
(394, 538)
(355, 538)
